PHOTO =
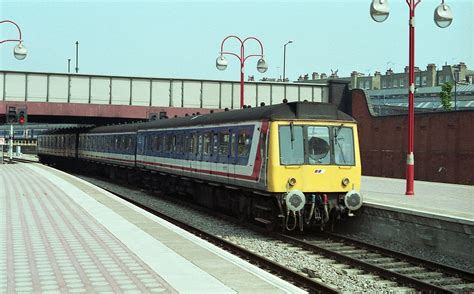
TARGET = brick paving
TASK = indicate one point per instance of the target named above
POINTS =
(50, 244)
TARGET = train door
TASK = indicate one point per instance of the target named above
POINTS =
(232, 157)
(206, 160)
(223, 168)
(140, 148)
(215, 153)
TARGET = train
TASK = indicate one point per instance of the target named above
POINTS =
(286, 166)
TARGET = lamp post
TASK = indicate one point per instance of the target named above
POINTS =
(19, 51)
(284, 58)
(379, 11)
(221, 62)
(77, 56)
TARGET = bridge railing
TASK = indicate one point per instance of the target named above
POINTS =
(18, 86)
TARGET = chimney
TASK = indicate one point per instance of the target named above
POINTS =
(315, 76)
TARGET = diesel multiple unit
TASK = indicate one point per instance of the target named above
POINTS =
(289, 165)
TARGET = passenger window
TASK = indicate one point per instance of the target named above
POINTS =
(224, 138)
(215, 144)
(200, 144)
(244, 143)
(207, 144)
(173, 143)
(232, 145)
(195, 144)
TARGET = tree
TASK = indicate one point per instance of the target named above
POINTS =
(445, 96)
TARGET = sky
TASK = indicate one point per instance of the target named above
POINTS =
(182, 39)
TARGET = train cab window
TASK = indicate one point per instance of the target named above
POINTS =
(224, 139)
(291, 145)
(244, 143)
(344, 146)
(207, 147)
(318, 145)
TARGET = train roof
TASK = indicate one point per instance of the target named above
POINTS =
(284, 111)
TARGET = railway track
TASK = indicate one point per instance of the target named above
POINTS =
(300, 279)
(401, 272)
(410, 271)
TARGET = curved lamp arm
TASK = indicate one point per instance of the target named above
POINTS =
(19, 32)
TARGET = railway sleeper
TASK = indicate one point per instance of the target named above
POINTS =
(426, 275)
(445, 281)
(466, 288)
(407, 270)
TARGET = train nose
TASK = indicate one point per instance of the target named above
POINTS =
(353, 200)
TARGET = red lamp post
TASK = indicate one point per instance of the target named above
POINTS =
(221, 62)
(19, 51)
(379, 10)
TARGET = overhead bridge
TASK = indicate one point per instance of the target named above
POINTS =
(66, 96)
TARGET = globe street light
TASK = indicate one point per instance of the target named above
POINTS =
(379, 10)
(19, 51)
(284, 58)
(221, 62)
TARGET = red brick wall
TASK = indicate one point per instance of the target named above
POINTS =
(444, 144)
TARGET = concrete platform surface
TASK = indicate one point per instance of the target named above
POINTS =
(62, 234)
(435, 200)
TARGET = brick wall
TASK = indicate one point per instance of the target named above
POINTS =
(444, 143)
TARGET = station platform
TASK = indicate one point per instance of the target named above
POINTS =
(442, 201)
(59, 233)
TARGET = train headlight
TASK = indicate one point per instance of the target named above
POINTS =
(353, 200)
(291, 181)
(345, 182)
(295, 200)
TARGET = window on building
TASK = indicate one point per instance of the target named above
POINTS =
(423, 80)
(384, 84)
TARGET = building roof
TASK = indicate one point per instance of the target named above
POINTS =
(421, 90)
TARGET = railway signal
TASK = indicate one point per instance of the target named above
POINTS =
(22, 116)
(11, 115)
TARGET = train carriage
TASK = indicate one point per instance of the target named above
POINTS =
(114, 145)
(290, 165)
